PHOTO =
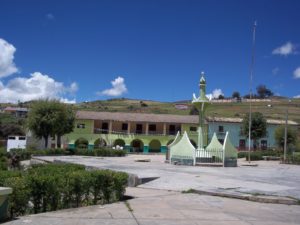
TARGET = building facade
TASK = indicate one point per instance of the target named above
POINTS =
(134, 132)
(152, 133)
(221, 125)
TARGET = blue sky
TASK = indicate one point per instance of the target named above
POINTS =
(88, 50)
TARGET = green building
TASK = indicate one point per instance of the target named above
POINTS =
(135, 132)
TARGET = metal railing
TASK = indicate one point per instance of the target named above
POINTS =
(209, 156)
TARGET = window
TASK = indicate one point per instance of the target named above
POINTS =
(12, 138)
(221, 129)
(152, 128)
(81, 125)
(242, 144)
(193, 129)
(263, 144)
(172, 129)
(22, 138)
(125, 126)
(139, 128)
(104, 128)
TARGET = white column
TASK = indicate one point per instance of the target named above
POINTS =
(110, 127)
(128, 128)
(147, 128)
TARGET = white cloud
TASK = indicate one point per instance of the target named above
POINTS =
(216, 93)
(118, 88)
(50, 16)
(297, 96)
(285, 50)
(37, 86)
(7, 65)
(297, 73)
(275, 71)
(67, 101)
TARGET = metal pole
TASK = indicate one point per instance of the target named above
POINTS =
(251, 78)
(285, 133)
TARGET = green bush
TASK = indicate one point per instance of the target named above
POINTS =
(258, 155)
(18, 200)
(293, 158)
(3, 163)
(57, 186)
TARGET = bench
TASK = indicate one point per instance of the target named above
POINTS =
(269, 157)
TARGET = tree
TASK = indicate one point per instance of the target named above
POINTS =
(10, 129)
(194, 111)
(50, 117)
(263, 91)
(236, 95)
(9, 125)
(258, 127)
(67, 115)
(291, 136)
(221, 97)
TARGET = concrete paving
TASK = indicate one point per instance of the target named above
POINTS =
(151, 206)
(268, 178)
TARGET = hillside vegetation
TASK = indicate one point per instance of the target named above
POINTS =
(275, 109)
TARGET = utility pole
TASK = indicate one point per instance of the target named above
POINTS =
(251, 79)
(285, 132)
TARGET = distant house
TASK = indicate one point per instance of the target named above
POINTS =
(181, 106)
(220, 125)
(16, 111)
(16, 142)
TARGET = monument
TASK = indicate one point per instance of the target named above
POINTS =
(183, 152)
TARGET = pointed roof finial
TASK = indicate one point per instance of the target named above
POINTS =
(202, 79)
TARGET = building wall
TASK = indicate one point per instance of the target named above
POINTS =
(88, 127)
(87, 132)
(235, 135)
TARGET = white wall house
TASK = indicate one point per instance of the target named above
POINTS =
(16, 142)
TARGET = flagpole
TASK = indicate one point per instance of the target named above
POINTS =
(251, 80)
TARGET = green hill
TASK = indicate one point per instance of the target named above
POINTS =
(275, 108)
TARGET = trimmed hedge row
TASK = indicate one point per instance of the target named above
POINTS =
(258, 155)
(51, 187)
(25, 154)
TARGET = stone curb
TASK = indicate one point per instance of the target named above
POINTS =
(249, 197)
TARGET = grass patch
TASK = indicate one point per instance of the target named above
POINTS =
(128, 206)
(189, 191)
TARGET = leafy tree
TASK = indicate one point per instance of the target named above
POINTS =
(221, 97)
(258, 126)
(194, 111)
(10, 129)
(9, 125)
(263, 91)
(236, 95)
(50, 117)
(67, 115)
(291, 136)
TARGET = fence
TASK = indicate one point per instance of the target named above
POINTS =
(209, 156)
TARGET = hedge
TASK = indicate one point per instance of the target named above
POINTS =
(258, 155)
(59, 186)
(25, 154)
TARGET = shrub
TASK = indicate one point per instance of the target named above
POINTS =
(258, 155)
(3, 163)
(56, 186)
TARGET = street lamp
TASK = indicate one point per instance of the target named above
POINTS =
(285, 129)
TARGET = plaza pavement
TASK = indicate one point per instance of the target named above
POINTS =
(162, 207)
(161, 201)
(268, 178)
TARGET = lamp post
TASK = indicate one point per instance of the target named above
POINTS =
(251, 79)
(285, 131)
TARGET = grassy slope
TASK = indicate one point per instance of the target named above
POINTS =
(277, 111)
